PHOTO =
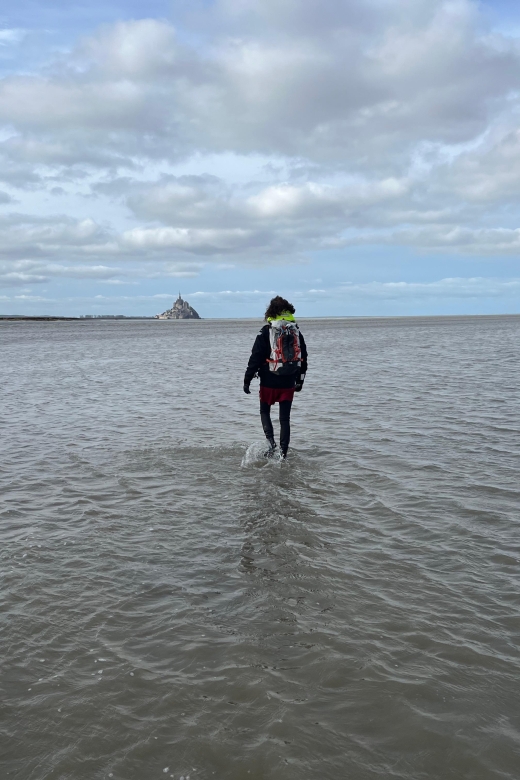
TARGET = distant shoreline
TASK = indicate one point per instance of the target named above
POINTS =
(55, 318)
(353, 318)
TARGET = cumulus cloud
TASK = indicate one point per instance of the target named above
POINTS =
(20, 273)
(203, 215)
(447, 238)
(380, 122)
(197, 241)
(28, 237)
(373, 80)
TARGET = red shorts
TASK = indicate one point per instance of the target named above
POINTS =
(273, 395)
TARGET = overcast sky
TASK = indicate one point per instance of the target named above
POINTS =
(356, 156)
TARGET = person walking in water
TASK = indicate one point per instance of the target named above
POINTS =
(279, 358)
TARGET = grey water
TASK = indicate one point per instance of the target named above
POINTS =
(174, 605)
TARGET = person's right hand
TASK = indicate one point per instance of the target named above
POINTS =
(246, 389)
(298, 386)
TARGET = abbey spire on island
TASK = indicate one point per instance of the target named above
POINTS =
(181, 310)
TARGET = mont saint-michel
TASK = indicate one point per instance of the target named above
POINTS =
(181, 310)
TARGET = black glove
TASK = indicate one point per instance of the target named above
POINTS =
(298, 386)
(246, 389)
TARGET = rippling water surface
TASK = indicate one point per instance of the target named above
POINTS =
(173, 605)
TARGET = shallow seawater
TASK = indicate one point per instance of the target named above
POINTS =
(174, 605)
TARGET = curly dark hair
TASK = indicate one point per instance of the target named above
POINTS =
(277, 306)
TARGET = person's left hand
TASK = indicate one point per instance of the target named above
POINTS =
(246, 389)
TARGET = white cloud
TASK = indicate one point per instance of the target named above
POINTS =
(313, 200)
(19, 278)
(378, 82)
(376, 297)
(448, 288)
(31, 237)
(448, 238)
(384, 122)
(139, 49)
(189, 240)
(461, 288)
(20, 273)
(11, 35)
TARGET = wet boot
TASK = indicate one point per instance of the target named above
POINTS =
(271, 448)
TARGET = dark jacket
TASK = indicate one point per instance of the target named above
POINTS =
(258, 363)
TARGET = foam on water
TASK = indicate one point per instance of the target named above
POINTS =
(255, 455)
